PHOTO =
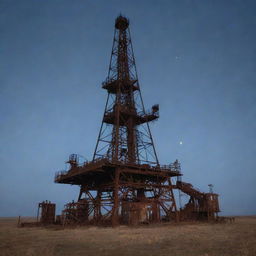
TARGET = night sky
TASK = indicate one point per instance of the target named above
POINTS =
(195, 58)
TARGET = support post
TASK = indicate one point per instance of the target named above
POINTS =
(18, 221)
(97, 207)
(115, 219)
(177, 217)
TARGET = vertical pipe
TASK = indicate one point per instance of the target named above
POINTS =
(115, 209)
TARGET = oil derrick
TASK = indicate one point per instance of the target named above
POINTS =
(125, 133)
(124, 182)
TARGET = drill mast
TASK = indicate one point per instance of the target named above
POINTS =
(125, 134)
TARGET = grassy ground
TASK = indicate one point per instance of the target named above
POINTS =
(232, 239)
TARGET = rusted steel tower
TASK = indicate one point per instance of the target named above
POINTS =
(124, 183)
(125, 135)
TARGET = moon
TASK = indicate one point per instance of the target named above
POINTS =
(181, 142)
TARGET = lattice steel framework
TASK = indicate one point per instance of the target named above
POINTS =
(124, 183)
(125, 134)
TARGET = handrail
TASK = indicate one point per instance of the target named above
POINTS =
(102, 160)
(85, 164)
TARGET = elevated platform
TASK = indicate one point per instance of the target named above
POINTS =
(125, 114)
(100, 173)
(126, 86)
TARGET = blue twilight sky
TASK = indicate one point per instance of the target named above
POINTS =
(196, 58)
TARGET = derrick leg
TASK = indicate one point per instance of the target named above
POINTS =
(97, 207)
(80, 193)
(115, 219)
(173, 205)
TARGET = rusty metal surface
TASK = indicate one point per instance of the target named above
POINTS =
(75, 213)
(124, 183)
(46, 212)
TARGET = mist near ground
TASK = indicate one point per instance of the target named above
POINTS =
(195, 58)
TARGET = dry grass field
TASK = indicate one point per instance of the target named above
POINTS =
(203, 239)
